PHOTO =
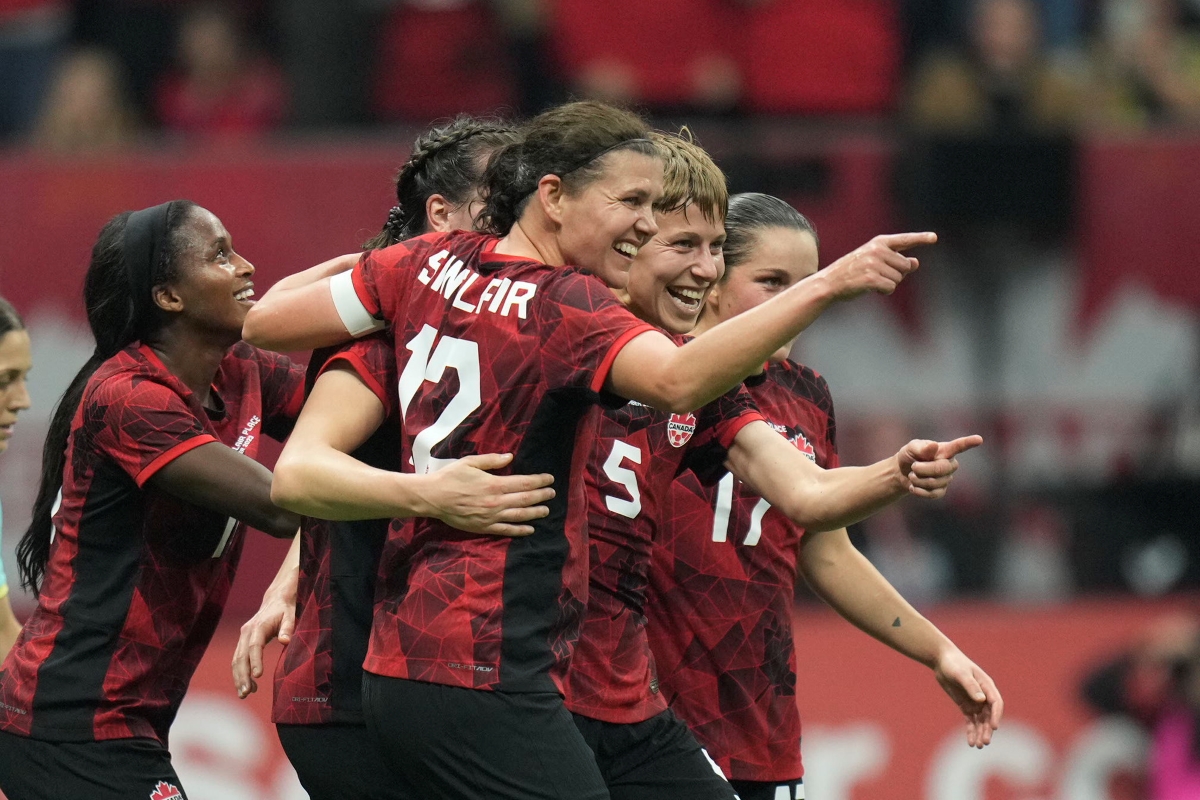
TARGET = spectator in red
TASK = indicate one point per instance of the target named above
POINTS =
(220, 87)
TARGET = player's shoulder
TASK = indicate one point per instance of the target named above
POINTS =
(132, 371)
(575, 287)
(800, 379)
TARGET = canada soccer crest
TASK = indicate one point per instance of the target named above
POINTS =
(680, 429)
(166, 791)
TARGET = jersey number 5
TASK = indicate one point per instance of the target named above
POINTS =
(429, 363)
(723, 507)
(624, 476)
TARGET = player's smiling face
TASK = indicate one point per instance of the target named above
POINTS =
(605, 223)
(212, 287)
(16, 360)
(779, 257)
(675, 270)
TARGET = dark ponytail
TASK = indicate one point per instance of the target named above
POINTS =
(750, 213)
(118, 315)
(447, 160)
(569, 141)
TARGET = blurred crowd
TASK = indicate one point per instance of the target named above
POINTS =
(96, 74)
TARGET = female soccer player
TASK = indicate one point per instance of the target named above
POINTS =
(328, 580)
(478, 317)
(725, 561)
(148, 466)
(16, 360)
(642, 749)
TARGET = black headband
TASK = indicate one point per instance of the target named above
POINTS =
(144, 239)
(589, 159)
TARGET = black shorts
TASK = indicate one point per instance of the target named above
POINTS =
(340, 762)
(454, 743)
(766, 790)
(658, 758)
(115, 769)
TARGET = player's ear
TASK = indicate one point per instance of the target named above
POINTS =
(437, 213)
(551, 193)
(166, 298)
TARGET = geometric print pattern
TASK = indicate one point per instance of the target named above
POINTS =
(720, 619)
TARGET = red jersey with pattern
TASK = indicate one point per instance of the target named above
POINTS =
(636, 455)
(137, 579)
(318, 678)
(721, 593)
(495, 354)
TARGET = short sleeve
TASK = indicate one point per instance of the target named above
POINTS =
(380, 284)
(282, 382)
(141, 425)
(373, 360)
(582, 329)
(717, 424)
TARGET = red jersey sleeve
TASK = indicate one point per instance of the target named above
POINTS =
(381, 277)
(583, 328)
(141, 425)
(282, 382)
(373, 360)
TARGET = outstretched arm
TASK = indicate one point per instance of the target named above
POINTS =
(316, 476)
(652, 370)
(275, 619)
(298, 312)
(851, 585)
(819, 499)
(219, 478)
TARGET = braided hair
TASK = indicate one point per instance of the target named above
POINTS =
(447, 160)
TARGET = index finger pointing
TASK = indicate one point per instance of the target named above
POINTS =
(960, 445)
(903, 241)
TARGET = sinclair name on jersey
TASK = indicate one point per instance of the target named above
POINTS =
(447, 275)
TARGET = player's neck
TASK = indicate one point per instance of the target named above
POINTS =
(531, 238)
(192, 358)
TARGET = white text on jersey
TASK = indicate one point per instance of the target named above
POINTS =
(451, 279)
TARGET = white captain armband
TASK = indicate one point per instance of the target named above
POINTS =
(355, 317)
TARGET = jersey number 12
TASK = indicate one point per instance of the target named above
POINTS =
(429, 363)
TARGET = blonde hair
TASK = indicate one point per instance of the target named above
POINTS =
(690, 177)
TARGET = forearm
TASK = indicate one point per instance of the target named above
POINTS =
(326, 269)
(298, 312)
(325, 483)
(285, 579)
(844, 578)
(688, 377)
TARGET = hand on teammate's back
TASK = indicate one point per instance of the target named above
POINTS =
(466, 496)
(929, 466)
(877, 266)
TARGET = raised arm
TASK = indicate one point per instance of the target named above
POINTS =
(218, 478)
(298, 312)
(851, 585)
(316, 476)
(652, 370)
(819, 499)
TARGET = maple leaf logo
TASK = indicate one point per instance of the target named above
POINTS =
(166, 791)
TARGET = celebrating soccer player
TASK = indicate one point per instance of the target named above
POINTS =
(725, 561)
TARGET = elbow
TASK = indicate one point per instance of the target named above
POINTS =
(286, 492)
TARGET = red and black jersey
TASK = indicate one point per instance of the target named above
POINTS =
(721, 592)
(636, 455)
(494, 354)
(137, 578)
(318, 679)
